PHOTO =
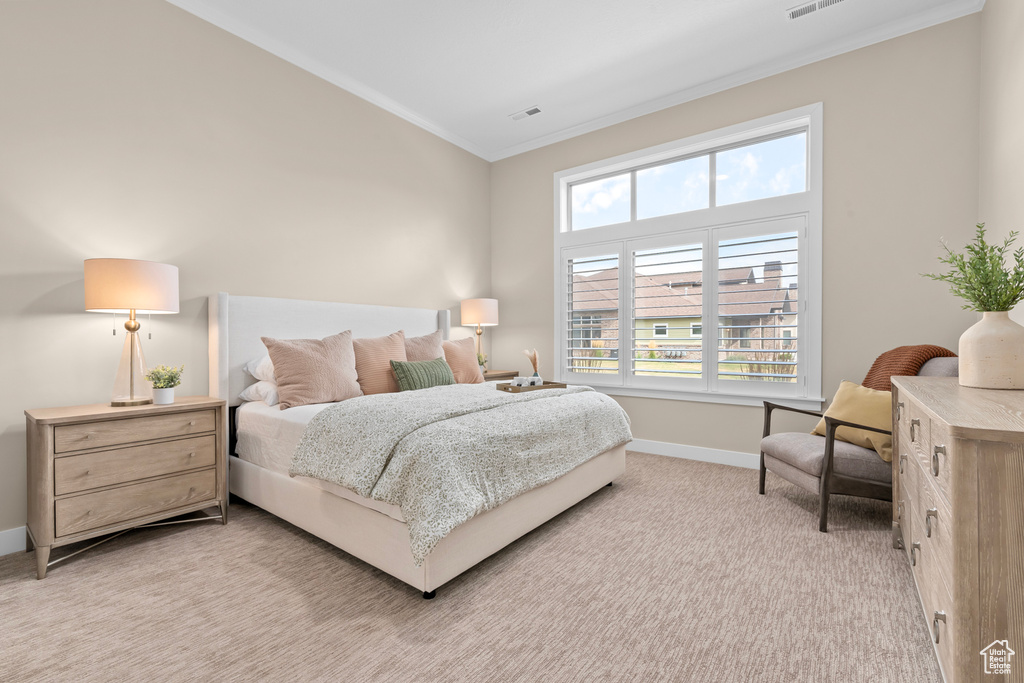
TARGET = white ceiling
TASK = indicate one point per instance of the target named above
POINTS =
(458, 68)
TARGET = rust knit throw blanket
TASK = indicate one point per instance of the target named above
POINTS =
(901, 361)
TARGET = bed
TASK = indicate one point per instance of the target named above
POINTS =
(368, 529)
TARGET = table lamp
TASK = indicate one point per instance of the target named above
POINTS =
(126, 286)
(482, 313)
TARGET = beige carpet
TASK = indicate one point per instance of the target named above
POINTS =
(680, 572)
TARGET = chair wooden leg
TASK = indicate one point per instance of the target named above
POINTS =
(823, 509)
(760, 482)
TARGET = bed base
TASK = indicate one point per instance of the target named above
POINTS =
(383, 541)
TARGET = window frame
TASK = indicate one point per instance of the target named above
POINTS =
(705, 225)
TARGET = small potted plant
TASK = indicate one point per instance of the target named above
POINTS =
(481, 359)
(992, 350)
(164, 379)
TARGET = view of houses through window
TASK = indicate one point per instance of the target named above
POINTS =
(757, 307)
(687, 274)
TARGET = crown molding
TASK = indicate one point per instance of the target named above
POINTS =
(857, 41)
(275, 47)
(935, 16)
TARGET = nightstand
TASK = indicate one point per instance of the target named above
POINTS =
(499, 375)
(96, 470)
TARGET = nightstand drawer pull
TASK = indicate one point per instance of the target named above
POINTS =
(935, 459)
(940, 615)
(131, 430)
(903, 459)
(914, 549)
(932, 512)
(75, 473)
(899, 411)
(914, 424)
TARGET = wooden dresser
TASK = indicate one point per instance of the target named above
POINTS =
(95, 470)
(958, 511)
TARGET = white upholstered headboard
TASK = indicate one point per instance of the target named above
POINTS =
(238, 322)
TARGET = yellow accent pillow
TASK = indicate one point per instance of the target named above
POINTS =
(868, 407)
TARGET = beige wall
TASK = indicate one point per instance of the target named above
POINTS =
(1001, 149)
(901, 163)
(129, 128)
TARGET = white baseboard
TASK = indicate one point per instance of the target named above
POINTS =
(678, 450)
(12, 541)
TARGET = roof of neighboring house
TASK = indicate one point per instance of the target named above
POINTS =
(679, 295)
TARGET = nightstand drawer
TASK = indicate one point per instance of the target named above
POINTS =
(93, 510)
(103, 468)
(115, 432)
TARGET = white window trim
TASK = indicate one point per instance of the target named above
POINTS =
(659, 329)
(613, 239)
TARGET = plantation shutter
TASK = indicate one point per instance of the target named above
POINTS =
(592, 320)
(758, 308)
(667, 312)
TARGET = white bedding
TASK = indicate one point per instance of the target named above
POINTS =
(267, 437)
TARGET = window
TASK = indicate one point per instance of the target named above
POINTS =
(720, 232)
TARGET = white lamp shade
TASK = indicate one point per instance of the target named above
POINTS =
(483, 312)
(114, 285)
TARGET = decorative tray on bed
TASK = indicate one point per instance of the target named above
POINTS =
(512, 389)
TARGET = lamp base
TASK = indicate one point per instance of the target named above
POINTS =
(130, 385)
(131, 402)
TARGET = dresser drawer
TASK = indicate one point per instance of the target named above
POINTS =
(103, 468)
(935, 594)
(935, 524)
(935, 597)
(910, 479)
(77, 437)
(94, 510)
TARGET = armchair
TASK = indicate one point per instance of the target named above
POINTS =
(826, 466)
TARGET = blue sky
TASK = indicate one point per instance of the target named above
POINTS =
(766, 169)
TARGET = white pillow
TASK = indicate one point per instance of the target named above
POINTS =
(261, 391)
(262, 369)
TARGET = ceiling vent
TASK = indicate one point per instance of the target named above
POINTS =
(526, 113)
(809, 8)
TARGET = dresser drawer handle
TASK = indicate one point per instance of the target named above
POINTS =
(192, 423)
(940, 615)
(914, 548)
(935, 459)
(191, 455)
(899, 411)
(914, 424)
(932, 512)
(191, 491)
(899, 510)
(903, 459)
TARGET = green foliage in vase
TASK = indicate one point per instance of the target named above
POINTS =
(165, 377)
(979, 275)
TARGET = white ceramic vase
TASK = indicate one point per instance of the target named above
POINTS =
(992, 353)
(163, 397)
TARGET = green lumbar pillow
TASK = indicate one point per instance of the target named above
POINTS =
(422, 374)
